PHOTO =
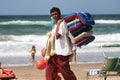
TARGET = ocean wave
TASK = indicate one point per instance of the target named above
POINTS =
(15, 47)
(108, 37)
(47, 23)
(23, 38)
(105, 38)
(107, 21)
(25, 22)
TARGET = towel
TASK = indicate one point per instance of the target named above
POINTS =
(93, 72)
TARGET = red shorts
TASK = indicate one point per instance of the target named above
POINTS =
(60, 64)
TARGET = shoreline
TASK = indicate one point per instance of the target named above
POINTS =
(84, 55)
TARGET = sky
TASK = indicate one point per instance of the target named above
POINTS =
(42, 7)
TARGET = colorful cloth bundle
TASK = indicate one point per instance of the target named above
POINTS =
(80, 28)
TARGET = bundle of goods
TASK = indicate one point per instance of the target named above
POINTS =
(79, 26)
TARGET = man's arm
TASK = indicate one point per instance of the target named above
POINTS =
(57, 35)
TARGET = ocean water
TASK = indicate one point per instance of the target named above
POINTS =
(19, 33)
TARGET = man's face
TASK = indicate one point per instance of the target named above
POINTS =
(55, 15)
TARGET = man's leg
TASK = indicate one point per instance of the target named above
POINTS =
(64, 68)
(51, 70)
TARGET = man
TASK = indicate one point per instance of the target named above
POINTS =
(60, 61)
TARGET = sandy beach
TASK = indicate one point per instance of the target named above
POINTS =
(32, 73)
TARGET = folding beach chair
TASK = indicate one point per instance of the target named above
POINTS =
(111, 64)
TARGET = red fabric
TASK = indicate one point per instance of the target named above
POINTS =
(70, 17)
(60, 64)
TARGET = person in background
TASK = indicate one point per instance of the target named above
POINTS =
(72, 57)
(60, 61)
(33, 51)
(74, 54)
